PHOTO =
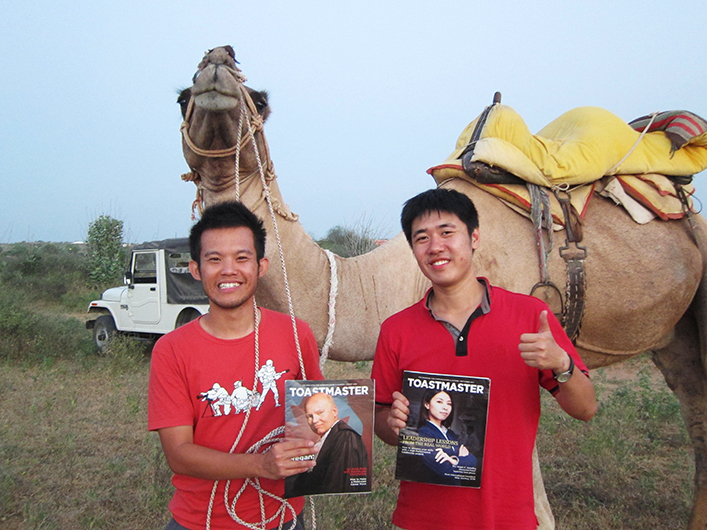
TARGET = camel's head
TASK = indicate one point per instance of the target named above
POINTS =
(218, 110)
(218, 84)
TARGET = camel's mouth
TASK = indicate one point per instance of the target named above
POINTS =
(217, 87)
(216, 101)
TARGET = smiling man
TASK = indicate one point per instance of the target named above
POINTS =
(466, 326)
(201, 372)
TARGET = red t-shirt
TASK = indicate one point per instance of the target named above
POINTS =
(413, 340)
(197, 379)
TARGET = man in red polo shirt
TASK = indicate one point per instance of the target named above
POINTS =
(466, 326)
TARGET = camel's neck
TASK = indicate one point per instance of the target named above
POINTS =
(371, 287)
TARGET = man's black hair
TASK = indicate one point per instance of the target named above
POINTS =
(231, 214)
(439, 200)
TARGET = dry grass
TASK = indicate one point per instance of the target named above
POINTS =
(631, 466)
(74, 453)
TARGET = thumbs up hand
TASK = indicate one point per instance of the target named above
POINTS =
(540, 350)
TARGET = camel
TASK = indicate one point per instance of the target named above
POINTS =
(645, 284)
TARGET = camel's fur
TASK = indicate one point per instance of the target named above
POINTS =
(643, 282)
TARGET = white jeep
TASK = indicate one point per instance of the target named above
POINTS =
(159, 295)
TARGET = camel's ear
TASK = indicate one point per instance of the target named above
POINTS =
(194, 269)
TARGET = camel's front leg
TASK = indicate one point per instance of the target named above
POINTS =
(546, 521)
(682, 367)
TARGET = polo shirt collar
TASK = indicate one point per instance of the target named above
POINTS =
(462, 336)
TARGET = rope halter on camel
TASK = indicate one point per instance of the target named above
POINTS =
(255, 124)
(265, 171)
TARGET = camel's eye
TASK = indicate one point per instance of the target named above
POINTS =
(183, 100)
(260, 100)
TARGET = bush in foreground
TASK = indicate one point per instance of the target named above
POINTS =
(28, 336)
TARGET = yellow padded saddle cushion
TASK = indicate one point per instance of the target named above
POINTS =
(579, 147)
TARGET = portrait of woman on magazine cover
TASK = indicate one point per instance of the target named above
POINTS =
(435, 420)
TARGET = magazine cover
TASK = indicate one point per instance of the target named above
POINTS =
(443, 442)
(338, 416)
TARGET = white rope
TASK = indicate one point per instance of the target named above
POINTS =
(256, 334)
(277, 237)
(331, 323)
(273, 436)
(290, 306)
(643, 133)
(237, 167)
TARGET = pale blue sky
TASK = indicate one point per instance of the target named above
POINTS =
(366, 95)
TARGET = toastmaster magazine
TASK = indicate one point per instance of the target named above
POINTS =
(443, 441)
(337, 415)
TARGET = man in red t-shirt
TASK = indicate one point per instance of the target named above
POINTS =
(465, 326)
(215, 385)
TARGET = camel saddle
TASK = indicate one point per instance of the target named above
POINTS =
(642, 165)
(646, 165)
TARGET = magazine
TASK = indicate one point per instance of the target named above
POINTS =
(337, 415)
(443, 442)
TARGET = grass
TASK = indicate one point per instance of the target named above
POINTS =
(30, 335)
(74, 452)
(630, 467)
(43, 299)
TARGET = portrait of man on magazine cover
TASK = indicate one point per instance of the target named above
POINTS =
(342, 455)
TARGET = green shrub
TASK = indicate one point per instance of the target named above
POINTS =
(43, 271)
(105, 250)
(125, 354)
(28, 336)
(77, 300)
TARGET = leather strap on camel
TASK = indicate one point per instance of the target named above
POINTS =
(574, 255)
(571, 312)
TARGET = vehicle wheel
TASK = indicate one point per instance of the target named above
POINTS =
(187, 316)
(103, 331)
